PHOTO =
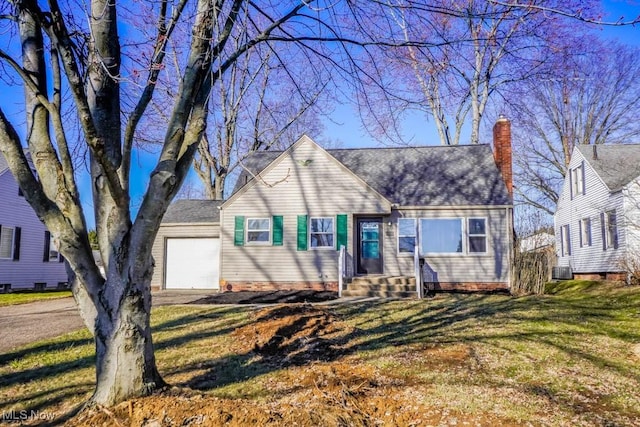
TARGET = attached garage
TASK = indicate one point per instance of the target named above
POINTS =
(192, 263)
(187, 248)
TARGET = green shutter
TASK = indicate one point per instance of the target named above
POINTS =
(341, 231)
(278, 225)
(238, 239)
(302, 232)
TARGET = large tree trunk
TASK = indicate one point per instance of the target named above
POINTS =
(125, 361)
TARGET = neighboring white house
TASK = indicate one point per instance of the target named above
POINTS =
(28, 257)
(597, 220)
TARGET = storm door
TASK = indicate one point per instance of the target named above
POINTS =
(369, 246)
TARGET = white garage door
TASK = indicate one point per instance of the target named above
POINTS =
(192, 264)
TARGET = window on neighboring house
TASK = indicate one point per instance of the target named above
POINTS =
(610, 230)
(51, 253)
(54, 255)
(6, 242)
(258, 230)
(441, 235)
(321, 232)
(477, 230)
(585, 232)
(406, 235)
(577, 180)
(565, 236)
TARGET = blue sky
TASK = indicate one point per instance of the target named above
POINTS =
(344, 127)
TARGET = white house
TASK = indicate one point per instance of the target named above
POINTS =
(597, 220)
(28, 257)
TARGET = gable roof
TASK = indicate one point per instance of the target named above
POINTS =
(192, 211)
(461, 175)
(616, 164)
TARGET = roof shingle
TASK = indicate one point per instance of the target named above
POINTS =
(192, 211)
(616, 164)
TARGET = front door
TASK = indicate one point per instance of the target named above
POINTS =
(369, 245)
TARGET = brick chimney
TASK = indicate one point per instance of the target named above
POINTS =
(502, 151)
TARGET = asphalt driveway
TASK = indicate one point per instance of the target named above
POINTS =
(26, 323)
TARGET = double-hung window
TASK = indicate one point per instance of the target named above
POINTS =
(610, 230)
(406, 235)
(585, 232)
(321, 232)
(565, 242)
(6, 242)
(441, 235)
(54, 255)
(477, 231)
(258, 230)
(577, 180)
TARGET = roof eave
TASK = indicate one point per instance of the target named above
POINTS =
(444, 207)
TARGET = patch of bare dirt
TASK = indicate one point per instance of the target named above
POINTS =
(333, 401)
(291, 334)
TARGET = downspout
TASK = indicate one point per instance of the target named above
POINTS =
(416, 270)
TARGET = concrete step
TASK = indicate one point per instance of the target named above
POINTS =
(375, 287)
(378, 293)
(384, 280)
(381, 286)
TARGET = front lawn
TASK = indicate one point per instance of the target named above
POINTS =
(568, 358)
(26, 297)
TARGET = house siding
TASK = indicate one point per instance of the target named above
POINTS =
(490, 268)
(631, 206)
(305, 181)
(30, 269)
(596, 200)
(166, 231)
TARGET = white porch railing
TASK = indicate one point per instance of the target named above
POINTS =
(416, 270)
(342, 263)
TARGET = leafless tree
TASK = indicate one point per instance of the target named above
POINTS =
(593, 98)
(60, 55)
(266, 101)
(481, 48)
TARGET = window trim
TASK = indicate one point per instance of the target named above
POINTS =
(261, 230)
(11, 243)
(485, 235)
(415, 236)
(310, 232)
(463, 233)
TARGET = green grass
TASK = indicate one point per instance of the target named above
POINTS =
(26, 297)
(570, 357)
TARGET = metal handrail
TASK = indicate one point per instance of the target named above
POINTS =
(341, 269)
(416, 270)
